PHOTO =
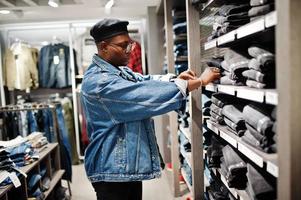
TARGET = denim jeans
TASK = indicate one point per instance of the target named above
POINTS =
(258, 186)
(33, 181)
(260, 2)
(239, 129)
(264, 141)
(255, 84)
(263, 60)
(216, 109)
(215, 62)
(261, 10)
(234, 113)
(258, 116)
(233, 9)
(235, 168)
(32, 123)
(118, 190)
(258, 76)
(65, 148)
(214, 153)
(217, 118)
(221, 99)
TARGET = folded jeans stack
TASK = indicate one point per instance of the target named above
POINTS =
(261, 72)
(234, 118)
(233, 168)
(234, 65)
(259, 125)
(260, 7)
(219, 100)
(228, 18)
(258, 186)
(214, 153)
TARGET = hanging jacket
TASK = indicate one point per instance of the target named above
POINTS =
(20, 67)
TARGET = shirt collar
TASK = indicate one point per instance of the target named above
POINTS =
(105, 65)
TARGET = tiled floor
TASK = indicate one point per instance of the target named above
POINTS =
(157, 189)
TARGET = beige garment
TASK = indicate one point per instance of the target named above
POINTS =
(20, 67)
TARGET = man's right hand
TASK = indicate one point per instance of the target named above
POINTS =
(210, 75)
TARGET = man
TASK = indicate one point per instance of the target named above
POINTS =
(118, 105)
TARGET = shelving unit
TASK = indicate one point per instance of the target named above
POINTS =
(260, 25)
(269, 96)
(46, 155)
(286, 23)
(261, 159)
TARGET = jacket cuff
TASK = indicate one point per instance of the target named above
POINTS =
(182, 85)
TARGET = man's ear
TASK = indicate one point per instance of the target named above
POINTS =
(103, 46)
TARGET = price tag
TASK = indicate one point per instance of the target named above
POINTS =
(271, 19)
(226, 89)
(250, 28)
(56, 60)
(250, 154)
(228, 138)
(251, 94)
(14, 179)
(272, 169)
(271, 98)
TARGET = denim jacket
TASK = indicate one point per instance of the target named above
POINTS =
(118, 105)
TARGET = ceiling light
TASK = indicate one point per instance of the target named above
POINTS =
(108, 6)
(53, 3)
(4, 12)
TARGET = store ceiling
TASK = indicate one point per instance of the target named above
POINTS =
(38, 10)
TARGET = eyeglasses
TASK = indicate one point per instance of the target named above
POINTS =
(127, 49)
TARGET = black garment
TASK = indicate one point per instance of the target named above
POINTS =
(233, 9)
(239, 129)
(259, 76)
(216, 109)
(261, 10)
(234, 113)
(215, 62)
(221, 99)
(258, 186)
(118, 190)
(234, 167)
(214, 153)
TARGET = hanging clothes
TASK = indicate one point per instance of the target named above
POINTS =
(54, 66)
(20, 67)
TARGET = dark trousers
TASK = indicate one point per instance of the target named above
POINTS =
(118, 190)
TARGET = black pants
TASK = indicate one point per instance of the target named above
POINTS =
(118, 190)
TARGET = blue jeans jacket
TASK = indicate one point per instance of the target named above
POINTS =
(118, 105)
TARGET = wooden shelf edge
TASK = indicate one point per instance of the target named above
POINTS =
(55, 179)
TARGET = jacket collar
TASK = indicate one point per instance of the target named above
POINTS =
(104, 65)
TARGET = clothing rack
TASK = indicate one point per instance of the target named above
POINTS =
(34, 106)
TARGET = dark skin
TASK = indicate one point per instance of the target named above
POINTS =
(117, 52)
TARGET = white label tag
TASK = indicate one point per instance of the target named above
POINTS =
(56, 60)
(229, 139)
(13, 177)
(250, 154)
(272, 169)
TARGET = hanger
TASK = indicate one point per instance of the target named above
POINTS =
(55, 40)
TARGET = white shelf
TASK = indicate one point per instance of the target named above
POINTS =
(259, 25)
(255, 155)
(269, 96)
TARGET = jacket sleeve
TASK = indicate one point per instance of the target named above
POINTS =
(130, 101)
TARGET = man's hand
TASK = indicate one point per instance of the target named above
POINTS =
(209, 75)
(187, 75)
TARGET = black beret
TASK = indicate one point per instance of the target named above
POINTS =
(108, 28)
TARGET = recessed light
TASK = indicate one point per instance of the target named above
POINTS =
(53, 3)
(4, 12)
